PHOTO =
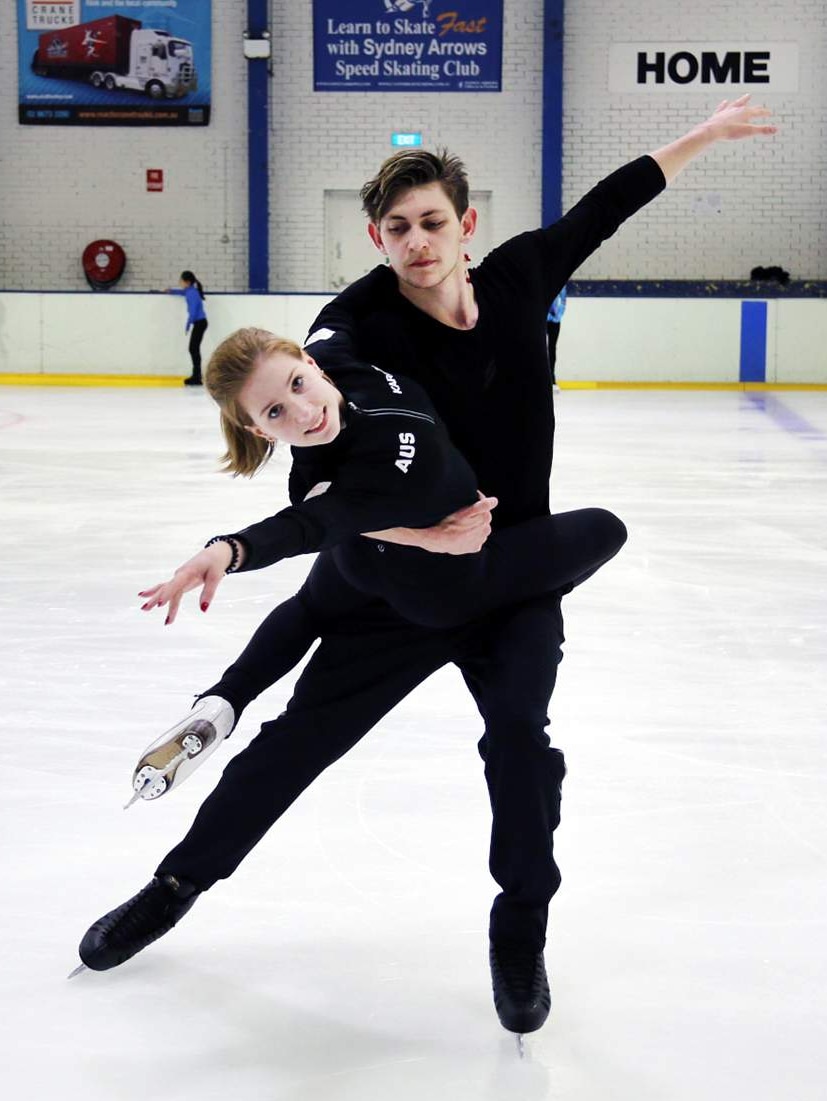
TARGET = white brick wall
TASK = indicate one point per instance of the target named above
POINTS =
(773, 191)
(63, 187)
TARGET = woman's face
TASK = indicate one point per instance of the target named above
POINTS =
(290, 400)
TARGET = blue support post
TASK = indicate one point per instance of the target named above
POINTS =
(258, 164)
(552, 155)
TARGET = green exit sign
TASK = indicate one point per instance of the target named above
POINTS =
(406, 139)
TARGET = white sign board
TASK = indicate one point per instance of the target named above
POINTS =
(702, 67)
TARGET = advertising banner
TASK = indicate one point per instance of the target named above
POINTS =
(407, 46)
(114, 62)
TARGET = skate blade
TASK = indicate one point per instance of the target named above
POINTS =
(80, 967)
(521, 1045)
(137, 794)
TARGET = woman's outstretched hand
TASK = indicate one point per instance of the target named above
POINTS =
(207, 569)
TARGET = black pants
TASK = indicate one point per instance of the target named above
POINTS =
(541, 556)
(196, 336)
(552, 336)
(368, 660)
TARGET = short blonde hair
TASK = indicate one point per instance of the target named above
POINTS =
(230, 365)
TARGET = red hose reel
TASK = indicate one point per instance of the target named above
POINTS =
(103, 264)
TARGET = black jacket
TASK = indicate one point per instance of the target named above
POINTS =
(391, 465)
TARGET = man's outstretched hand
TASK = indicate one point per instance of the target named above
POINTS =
(462, 532)
(732, 120)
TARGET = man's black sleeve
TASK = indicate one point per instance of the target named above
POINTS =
(559, 249)
(353, 304)
(332, 348)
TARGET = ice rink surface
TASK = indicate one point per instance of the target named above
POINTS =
(347, 958)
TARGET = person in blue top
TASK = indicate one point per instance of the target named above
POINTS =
(193, 291)
(555, 316)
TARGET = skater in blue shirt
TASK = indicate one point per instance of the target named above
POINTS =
(555, 316)
(193, 292)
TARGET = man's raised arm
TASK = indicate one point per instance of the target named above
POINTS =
(728, 122)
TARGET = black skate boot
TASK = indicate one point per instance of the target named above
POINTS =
(193, 380)
(521, 995)
(123, 932)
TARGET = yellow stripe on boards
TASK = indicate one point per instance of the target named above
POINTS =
(578, 385)
(91, 380)
(178, 380)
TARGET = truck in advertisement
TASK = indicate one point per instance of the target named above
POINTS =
(118, 53)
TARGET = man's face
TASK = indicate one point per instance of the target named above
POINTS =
(422, 236)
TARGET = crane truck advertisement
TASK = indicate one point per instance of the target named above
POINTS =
(107, 63)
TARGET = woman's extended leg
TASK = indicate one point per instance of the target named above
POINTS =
(277, 647)
(287, 633)
(549, 554)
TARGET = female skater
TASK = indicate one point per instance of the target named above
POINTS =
(193, 292)
(369, 454)
(374, 441)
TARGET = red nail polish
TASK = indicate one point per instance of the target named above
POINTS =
(204, 606)
(166, 622)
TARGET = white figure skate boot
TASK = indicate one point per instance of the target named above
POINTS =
(177, 754)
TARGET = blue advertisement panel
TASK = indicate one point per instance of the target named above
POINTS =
(114, 62)
(407, 45)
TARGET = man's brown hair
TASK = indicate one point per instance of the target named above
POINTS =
(413, 168)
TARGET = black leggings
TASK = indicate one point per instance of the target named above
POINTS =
(545, 555)
(196, 336)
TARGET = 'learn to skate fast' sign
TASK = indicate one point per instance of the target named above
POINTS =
(407, 45)
(114, 62)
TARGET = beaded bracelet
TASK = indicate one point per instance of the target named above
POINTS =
(233, 566)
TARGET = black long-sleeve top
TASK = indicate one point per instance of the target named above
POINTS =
(491, 385)
(392, 464)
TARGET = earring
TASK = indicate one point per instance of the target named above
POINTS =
(467, 261)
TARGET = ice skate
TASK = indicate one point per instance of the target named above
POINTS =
(521, 993)
(125, 931)
(177, 754)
